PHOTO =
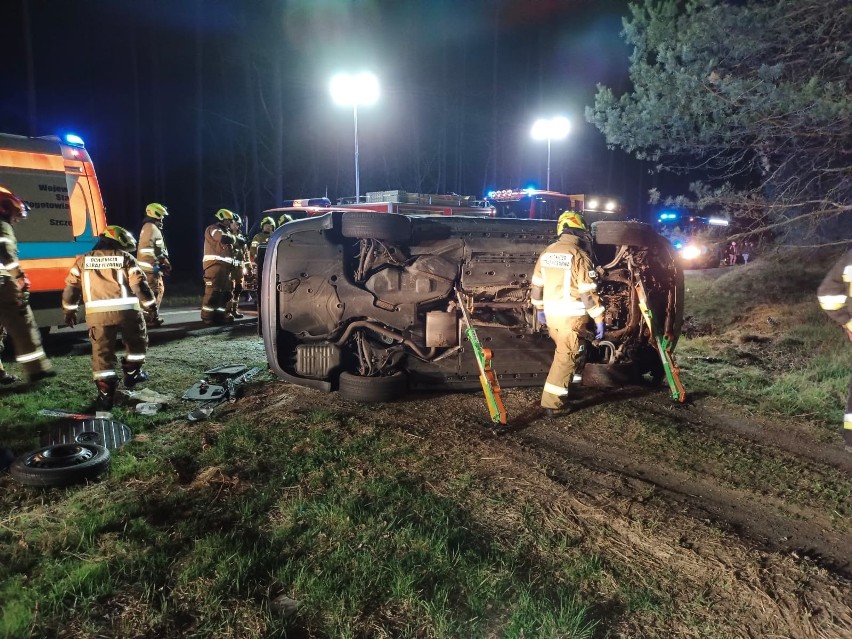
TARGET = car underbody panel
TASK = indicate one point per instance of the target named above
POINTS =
(373, 295)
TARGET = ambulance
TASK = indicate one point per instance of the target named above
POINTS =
(55, 177)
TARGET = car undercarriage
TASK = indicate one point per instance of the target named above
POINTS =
(365, 303)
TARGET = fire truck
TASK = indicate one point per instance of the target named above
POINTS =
(406, 203)
(534, 204)
(56, 178)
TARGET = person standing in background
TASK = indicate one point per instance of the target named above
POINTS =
(835, 298)
(16, 316)
(153, 258)
(217, 263)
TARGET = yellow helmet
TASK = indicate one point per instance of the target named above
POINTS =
(120, 236)
(267, 220)
(570, 220)
(12, 205)
(157, 211)
(284, 219)
(224, 215)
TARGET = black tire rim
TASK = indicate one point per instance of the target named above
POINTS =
(60, 456)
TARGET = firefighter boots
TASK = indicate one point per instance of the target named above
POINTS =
(106, 394)
(133, 373)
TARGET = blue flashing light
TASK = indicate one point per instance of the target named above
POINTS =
(73, 138)
(492, 193)
(530, 189)
(678, 244)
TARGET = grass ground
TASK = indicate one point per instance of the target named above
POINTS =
(294, 514)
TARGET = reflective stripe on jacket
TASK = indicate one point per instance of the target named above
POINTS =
(835, 292)
(218, 246)
(107, 280)
(152, 247)
(564, 281)
(9, 266)
(257, 240)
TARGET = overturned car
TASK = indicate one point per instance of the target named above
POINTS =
(366, 303)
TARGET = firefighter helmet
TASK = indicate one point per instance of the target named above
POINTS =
(157, 211)
(11, 205)
(120, 236)
(236, 219)
(224, 215)
(570, 220)
(284, 219)
(267, 220)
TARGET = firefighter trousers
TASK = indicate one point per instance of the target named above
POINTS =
(217, 292)
(17, 318)
(158, 288)
(566, 360)
(134, 335)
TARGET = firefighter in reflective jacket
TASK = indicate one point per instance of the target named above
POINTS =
(564, 293)
(153, 257)
(835, 298)
(114, 289)
(240, 257)
(16, 316)
(267, 226)
(217, 264)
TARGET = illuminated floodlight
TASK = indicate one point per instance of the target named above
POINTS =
(352, 90)
(593, 204)
(717, 221)
(610, 206)
(555, 128)
(690, 252)
(72, 138)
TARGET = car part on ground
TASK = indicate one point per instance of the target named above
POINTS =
(231, 394)
(353, 299)
(61, 465)
(108, 433)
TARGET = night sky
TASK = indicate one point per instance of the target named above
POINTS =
(175, 97)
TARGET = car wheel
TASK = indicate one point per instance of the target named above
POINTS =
(372, 389)
(624, 233)
(61, 465)
(608, 375)
(367, 225)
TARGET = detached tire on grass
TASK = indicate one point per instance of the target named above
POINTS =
(61, 465)
(372, 389)
(368, 225)
(609, 375)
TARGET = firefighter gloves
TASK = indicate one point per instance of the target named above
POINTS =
(541, 318)
(70, 319)
(600, 329)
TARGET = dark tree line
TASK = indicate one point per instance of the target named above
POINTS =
(753, 96)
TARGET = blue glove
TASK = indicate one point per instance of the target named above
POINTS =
(599, 330)
(541, 318)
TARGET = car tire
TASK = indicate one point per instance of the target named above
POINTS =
(608, 375)
(368, 225)
(61, 465)
(624, 233)
(372, 389)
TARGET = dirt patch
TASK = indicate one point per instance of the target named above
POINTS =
(761, 565)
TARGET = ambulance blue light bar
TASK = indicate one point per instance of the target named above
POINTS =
(73, 138)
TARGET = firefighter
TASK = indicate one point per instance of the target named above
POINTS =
(240, 258)
(284, 219)
(564, 293)
(835, 298)
(217, 264)
(267, 226)
(153, 258)
(16, 316)
(114, 289)
(6, 378)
